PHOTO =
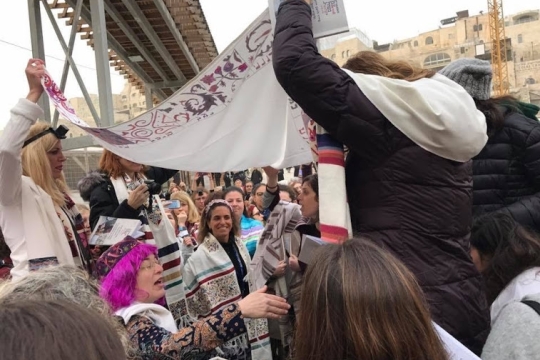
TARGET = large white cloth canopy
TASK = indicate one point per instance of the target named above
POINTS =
(232, 116)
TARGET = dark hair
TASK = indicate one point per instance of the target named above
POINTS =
(289, 190)
(232, 189)
(204, 230)
(313, 181)
(256, 187)
(4, 249)
(56, 329)
(507, 247)
(213, 196)
(384, 316)
(496, 109)
(198, 192)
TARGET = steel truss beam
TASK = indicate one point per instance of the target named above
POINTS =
(145, 25)
(71, 62)
(119, 50)
(166, 15)
(38, 48)
(101, 50)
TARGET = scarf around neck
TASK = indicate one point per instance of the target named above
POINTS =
(76, 233)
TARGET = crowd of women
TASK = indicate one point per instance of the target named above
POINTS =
(443, 185)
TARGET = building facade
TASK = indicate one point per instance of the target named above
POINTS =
(466, 36)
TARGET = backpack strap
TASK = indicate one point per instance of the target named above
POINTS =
(533, 304)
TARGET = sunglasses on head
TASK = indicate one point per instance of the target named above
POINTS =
(60, 133)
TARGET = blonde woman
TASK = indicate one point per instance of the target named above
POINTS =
(186, 219)
(40, 222)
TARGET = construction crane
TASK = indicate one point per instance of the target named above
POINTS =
(498, 47)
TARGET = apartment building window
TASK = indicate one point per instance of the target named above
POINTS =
(437, 60)
(415, 44)
(477, 27)
(429, 40)
(348, 53)
(343, 55)
(524, 19)
(333, 57)
(520, 38)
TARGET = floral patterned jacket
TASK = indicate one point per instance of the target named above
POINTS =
(194, 342)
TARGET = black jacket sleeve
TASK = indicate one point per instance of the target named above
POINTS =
(526, 211)
(103, 202)
(160, 175)
(322, 89)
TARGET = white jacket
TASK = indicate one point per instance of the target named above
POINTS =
(28, 219)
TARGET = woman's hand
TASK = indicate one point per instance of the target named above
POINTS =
(294, 263)
(138, 196)
(188, 241)
(280, 269)
(35, 69)
(259, 305)
(182, 218)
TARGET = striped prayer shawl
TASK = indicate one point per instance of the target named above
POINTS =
(211, 284)
(170, 259)
(334, 215)
(281, 221)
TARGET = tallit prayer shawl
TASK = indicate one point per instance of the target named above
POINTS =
(211, 284)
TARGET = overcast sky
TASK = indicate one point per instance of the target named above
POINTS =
(381, 20)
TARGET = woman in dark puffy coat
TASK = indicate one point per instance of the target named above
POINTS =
(411, 134)
(118, 189)
(506, 174)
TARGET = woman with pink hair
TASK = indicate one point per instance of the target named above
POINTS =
(133, 285)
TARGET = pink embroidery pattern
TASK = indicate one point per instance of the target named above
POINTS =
(206, 95)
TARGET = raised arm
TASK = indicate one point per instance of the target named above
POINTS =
(322, 89)
(23, 116)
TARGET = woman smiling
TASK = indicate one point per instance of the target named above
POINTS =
(217, 274)
(250, 229)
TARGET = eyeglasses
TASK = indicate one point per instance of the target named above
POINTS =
(259, 194)
(153, 263)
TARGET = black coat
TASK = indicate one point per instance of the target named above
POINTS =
(507, 172)
(413, 203)
(98, 189)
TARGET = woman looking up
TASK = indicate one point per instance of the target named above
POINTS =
(40, 222)
(132, 283)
